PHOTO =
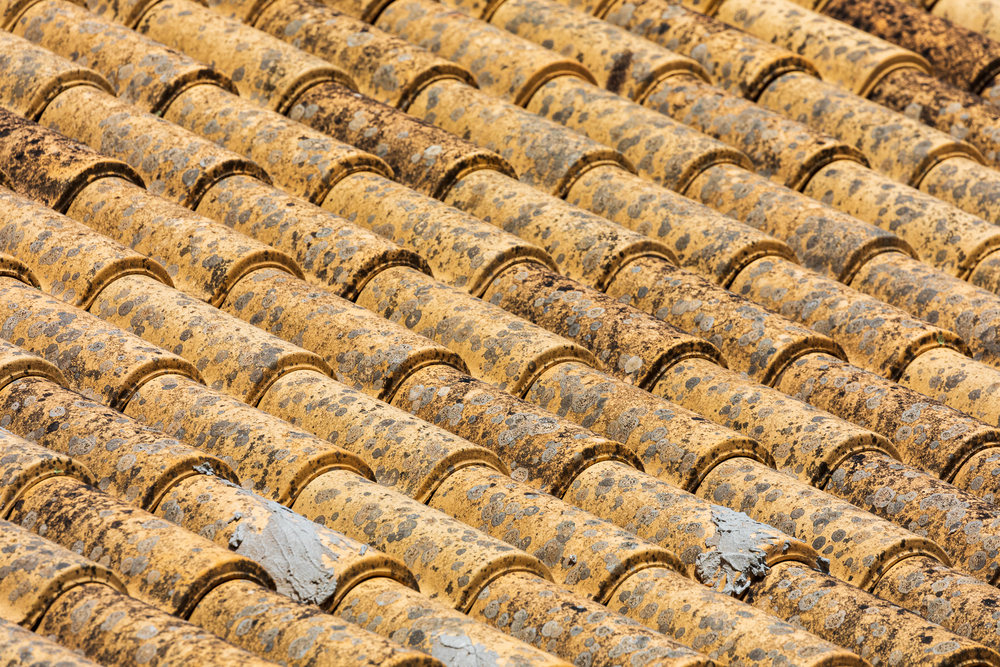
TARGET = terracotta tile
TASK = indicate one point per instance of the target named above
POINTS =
(29, 648)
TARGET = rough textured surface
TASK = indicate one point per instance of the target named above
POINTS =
(510, 68)
(364, 351)
(950, 181)
(957, 381)
(752, 340)
(385, 607)
(673, 443)
(933, 102)
(308, 562)
(73, 262)
(276, 628)
(896, 145)
(546, 155)
(737, 62)
(462, 250)
(451, 561)
(119, 631)
(202, 258)
(263, 69)
(623, 63)
(782, 149)
(24, 647)
(877, 337)
(722, 549)
(160, 564)
(529, 609)
(47, 167)
(927, 434)
(583, 246)
(703, 240)
(25, 464)
(423, 157)
(301, 161)
(152, 82)
(963, 58)
(99, 361)
(663, 150)
(858, 548)
(174, 163)
(234, 357)
(30, 77)
(964, 526)
(498, 347)
(942, 235)
(131, 462)
(632, 345)
(979, 16)
(329, 249)
(824, 239)
(843, 54)
(842, 614)
(270, 456)
(386, 68)
(541, 450)
(585, 554)
(406, 454)
(806, 442)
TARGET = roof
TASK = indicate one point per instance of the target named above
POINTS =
(523, 333)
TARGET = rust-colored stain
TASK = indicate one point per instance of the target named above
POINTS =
(100, 361)
(546, 155)
(234, 357)
(129, 461)
(276, 628)
(302, 162)
(585, 554)
(806, 442)
(673, 443)
(73, 262)
(405, 453)
(541, 450)
(737, 62)
(462, 250)
(263, 69)
(416, 621)
(927, 434)
(841, 613)
(386, 68)
(327, 248)
(530, 609)
(634, 346)
(120, 630)
(153, 81)
(704, 241)
(452, 561)
(270, 456)
(160, 564)
(781, 148)
(364, 350)
(876, 336)
(498, 347)
(752, 339)
(308, 562)
(503, 65)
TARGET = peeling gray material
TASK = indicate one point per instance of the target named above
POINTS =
(454, 649)
(735, 556)
(290, 548)
(204, 468)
